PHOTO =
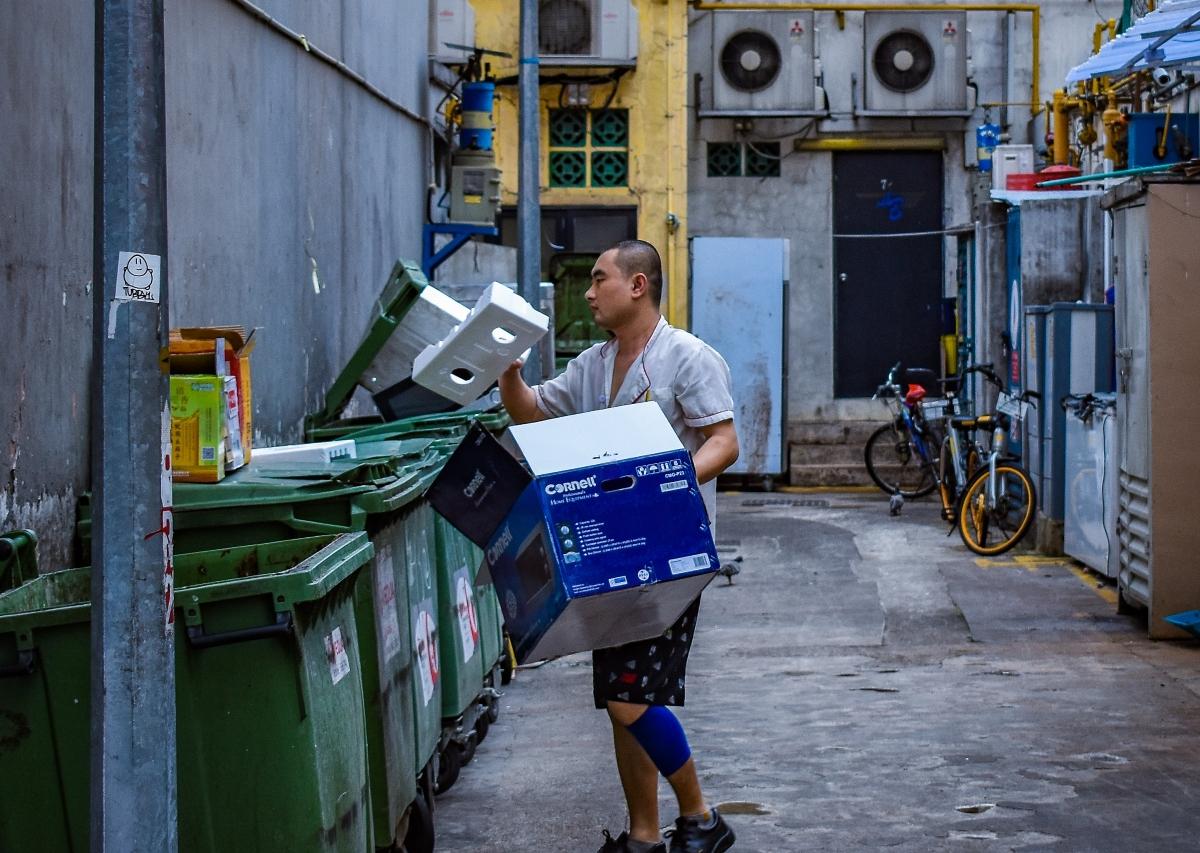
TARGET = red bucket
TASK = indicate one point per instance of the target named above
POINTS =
(1023, 181)
(1055, 173)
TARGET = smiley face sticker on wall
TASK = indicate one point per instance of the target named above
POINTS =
(139, 277)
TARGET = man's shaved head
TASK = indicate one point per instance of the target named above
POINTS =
(638, 256)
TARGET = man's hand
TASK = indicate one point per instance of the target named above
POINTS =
(719, 451)
(518, 398)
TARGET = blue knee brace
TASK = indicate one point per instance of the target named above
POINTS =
(661, 735)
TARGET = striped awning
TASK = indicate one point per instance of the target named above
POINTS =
(1168, 36)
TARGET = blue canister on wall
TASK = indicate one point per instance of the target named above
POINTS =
(477, 98)
(987, 137)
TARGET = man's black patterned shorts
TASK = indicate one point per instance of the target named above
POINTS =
(648, 672)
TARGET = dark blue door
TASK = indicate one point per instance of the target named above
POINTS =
(888, 289)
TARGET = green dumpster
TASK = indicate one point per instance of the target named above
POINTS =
(270, 752)
(379, 492)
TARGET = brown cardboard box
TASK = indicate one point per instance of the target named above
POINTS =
(193, 352)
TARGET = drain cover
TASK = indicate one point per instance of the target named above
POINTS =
(796, 502)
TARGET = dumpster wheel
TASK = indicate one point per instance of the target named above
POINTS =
(481, 727)
(468, 748)
(493, 710)
(449, 766)
(420, 835)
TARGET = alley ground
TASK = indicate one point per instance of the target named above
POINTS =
(867, 684)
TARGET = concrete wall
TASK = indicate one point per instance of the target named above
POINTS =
(798, 204)
(291, 191)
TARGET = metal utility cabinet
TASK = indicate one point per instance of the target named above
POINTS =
(739, 307)
(1069, 350)
(1156, 261)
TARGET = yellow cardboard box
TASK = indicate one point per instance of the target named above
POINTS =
(198, 428)
(193, 351)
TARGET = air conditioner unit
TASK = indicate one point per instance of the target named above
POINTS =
(915, 63)
(583, 33)
(762, 64)
(451, 22)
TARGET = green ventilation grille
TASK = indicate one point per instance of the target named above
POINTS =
(610, 168)
(568, 128)
(762, 159)
(610, 128)
(724, 159)
(568, 169)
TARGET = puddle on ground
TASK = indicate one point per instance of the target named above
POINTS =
(1101, 758)
(744, 808)
(976, 808)
(973, 836)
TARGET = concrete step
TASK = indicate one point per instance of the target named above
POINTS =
(829, 475)
(843, 432)
(826, 454)
(833, 475)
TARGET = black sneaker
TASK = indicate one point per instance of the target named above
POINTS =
(620, 844)
(614, 845)
(691, 835)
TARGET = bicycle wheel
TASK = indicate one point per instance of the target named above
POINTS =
(989, 531)
(895, 465)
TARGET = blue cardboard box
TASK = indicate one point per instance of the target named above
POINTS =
(604, 538)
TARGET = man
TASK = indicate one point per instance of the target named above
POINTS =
(646, 359)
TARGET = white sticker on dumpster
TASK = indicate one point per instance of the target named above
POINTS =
(385, 603)
(464, 605)
(335, 653)
(425, 643)
(139, 277)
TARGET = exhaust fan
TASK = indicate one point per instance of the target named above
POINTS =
(761, 63)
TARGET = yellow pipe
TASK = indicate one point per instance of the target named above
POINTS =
(1111, 118)
(1061, 109)
(1034, 10)
(844, 143)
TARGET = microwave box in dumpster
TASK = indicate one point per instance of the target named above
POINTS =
(603, 541)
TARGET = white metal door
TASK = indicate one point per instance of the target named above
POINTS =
(739, 307)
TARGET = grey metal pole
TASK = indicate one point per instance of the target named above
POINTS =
(529, 203)
(133, 794)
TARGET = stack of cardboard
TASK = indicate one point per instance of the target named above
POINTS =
(211, 402)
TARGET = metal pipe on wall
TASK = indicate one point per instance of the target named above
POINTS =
(133, 799)
(529, 203)
(1032, 9)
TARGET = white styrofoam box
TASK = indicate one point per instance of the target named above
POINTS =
(431, 318)
(1010, 160)
(498, 330)
(321, 453)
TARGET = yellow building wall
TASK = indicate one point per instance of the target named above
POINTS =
(655, 93)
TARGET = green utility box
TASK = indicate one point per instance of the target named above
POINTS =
(270, 749)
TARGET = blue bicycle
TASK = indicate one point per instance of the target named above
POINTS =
(898, 454)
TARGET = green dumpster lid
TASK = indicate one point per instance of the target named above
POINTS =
(289, 571)
(403, 288)
(440, 426)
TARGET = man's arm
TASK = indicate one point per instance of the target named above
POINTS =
(518, 398)
(719, 451)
